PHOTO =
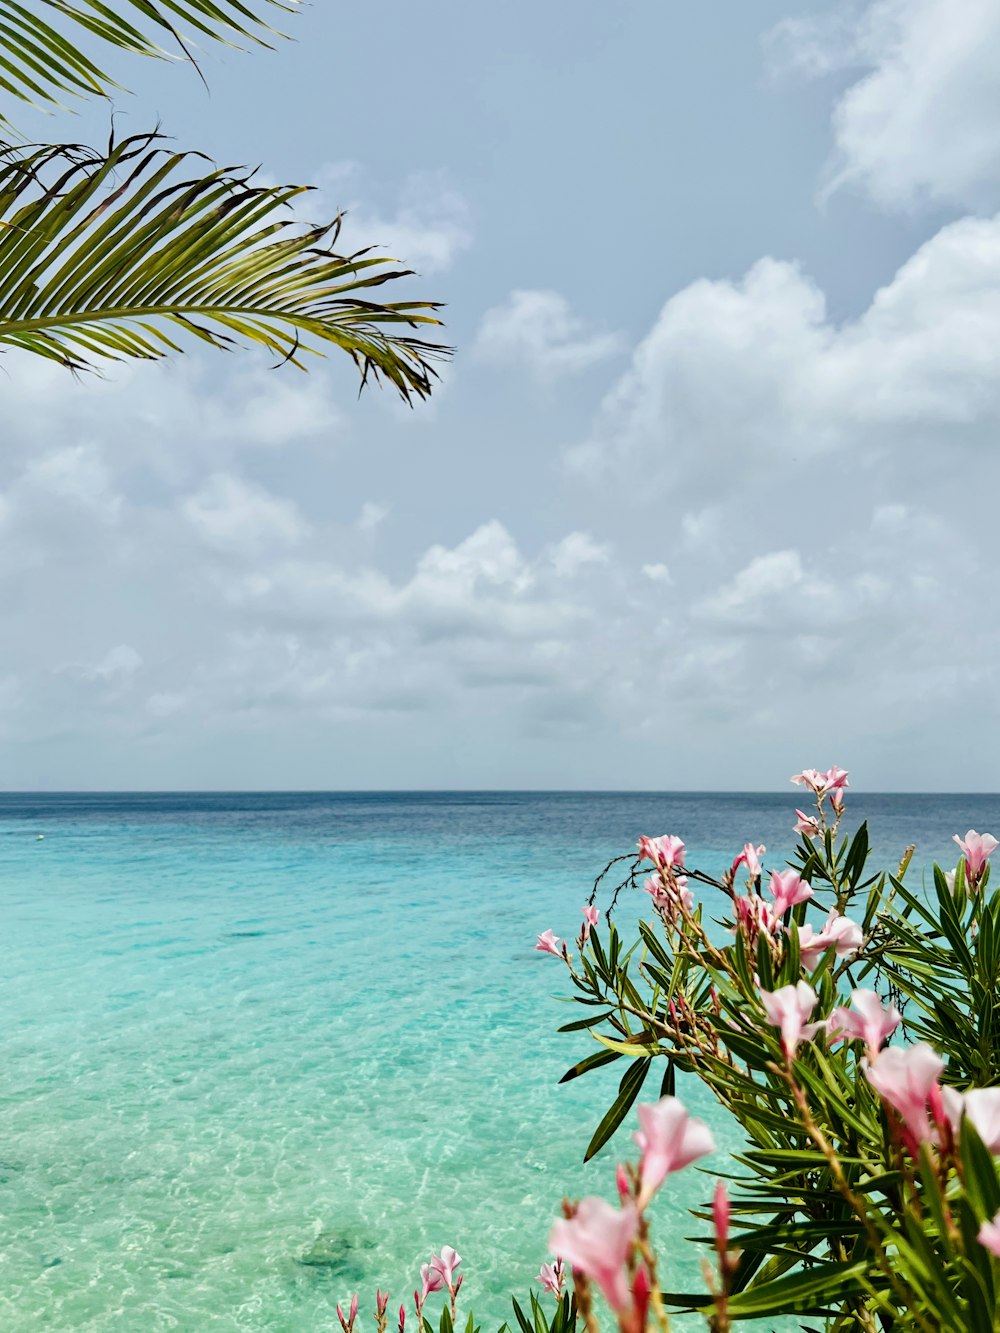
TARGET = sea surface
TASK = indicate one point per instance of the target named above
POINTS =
(261, 1051)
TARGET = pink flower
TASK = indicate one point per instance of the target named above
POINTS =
(551, 1277)
(904, 1077)
(431, 1279)
(788, 889)
(754, 915)
(839, 933)
(749, 857)
(807, 825)
(549, 943)
(664, 852)
(871, 1022)
(833, 780)
(669, 894)
(982, 1106)
(669, 1140)
(445, 1263)
(977, 847)
(989, 1235)
(788, 1008)
(598, 1240)
(591, 916)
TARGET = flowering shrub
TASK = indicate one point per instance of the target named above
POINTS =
(868, 1192)
(858, 1049)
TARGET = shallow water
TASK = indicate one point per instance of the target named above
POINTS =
(262, 1051)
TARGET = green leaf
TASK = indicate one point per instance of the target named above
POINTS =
(629, 1089)
(589, 1062)
(125, 255)
(807, 1292)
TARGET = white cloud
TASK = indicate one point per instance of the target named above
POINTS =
(575, 552)
(372, 516)
(426, 229)
(538, 330)
(920, 124)
(119, 663)
(230, 513)
(657, 573)
(734, 373)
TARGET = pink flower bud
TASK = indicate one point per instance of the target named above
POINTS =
(720, 1216)
(402, 1317)
(641, 1288)
(621, 1180)
(381, 1302)
(354, 1311)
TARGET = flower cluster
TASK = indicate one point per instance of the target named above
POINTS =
(604, 1244)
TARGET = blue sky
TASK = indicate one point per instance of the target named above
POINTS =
(707, 495)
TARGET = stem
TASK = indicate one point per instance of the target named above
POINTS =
(842, 1184)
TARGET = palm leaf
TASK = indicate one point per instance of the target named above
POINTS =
(41, 60)
(129, 254)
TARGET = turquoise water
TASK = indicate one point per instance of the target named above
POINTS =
(262, 1051)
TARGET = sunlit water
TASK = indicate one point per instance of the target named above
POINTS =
(262, 1051)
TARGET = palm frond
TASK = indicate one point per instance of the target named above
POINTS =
(131, 253)
(41, 59)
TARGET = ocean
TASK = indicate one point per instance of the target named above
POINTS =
(263, 1050)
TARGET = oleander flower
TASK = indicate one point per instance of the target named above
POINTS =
(552, 1276)
(753, 915)
(549, 943)
(977, 847)
(989, 1235)
(749, 857)
(445, 1263)
(839, 933)
(788, 1008)
(870, 1022)
(982, 1106)
(670, 893)
(597, 1240)
(431, 1279)
(904, 1076)
(666, 852)
(591, 915)
(669, 1140)
(807, 825)
(788, 888)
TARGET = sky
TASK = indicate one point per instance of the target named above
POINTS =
(707, 494)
